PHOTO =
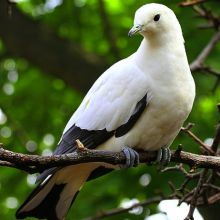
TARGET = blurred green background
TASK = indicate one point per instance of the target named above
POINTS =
(37, 97)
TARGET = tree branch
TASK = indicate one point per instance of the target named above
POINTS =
(191, 2)
(24, 168)
(216, 140)
(198, 62)
(196, 139)
(195, 195)
(31, 163)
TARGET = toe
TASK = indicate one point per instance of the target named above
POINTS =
(128, 156)
(159, 155)
(137, 159)
(164, 156)
(132, 157)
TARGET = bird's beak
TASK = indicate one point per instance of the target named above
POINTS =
(135, 29)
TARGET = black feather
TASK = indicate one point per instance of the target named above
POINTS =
(123, 129)
(91, 139)
(47, 208)
(100, 171)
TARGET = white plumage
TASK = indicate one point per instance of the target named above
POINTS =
(160, 70)
(112, 99)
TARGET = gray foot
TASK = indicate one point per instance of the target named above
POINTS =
(164, 156)
(132, 157)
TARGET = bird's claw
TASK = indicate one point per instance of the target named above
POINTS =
(132, 157)
(163, 156)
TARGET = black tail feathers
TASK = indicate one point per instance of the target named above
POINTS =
(47, 207)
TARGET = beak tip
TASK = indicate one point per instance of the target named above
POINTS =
(134, 30)
(130, 34)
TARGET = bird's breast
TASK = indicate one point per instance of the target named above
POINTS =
(162, 119)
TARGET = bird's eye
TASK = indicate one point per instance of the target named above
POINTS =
(157, 17)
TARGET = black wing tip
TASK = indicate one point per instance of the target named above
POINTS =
(46, 209)
(23, 215)
(20, 215)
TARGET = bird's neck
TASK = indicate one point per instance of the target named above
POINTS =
(173, 43)
(166, 63)
(161, 52)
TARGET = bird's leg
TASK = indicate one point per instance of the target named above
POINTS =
(163, 156)
(132, 157)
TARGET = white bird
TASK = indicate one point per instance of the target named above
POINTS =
(140, 102)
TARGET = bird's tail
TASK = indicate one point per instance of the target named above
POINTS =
(53, 197)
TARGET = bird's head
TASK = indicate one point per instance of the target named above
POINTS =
(155, 21)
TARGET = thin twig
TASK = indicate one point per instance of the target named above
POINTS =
(198, 62)
(191, 3)
(182, 170)
(216, 140)
(197, 140)
(214, 198)
(183, 186)
(186, 196)
(211, 71)
(195, 195)
(212, 186)
(207, 14)
(117, 211)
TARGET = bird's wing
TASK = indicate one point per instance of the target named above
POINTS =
(111, 107)
(112, 99)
